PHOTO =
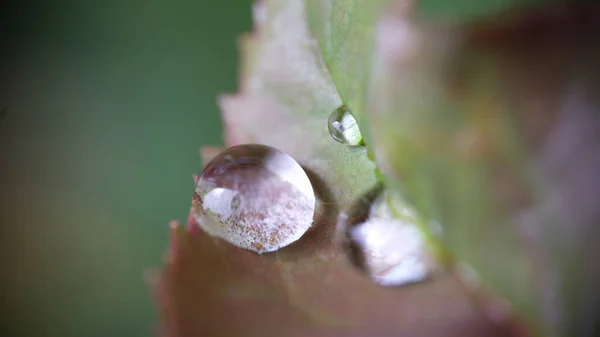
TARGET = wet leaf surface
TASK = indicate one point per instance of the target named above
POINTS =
(209, 288)
(345, 32)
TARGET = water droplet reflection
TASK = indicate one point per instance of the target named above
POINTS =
(255, 197)
(382, 240)
(344, 128)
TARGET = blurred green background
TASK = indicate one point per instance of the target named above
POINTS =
(105, 107)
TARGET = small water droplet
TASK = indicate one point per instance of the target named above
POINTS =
(381, 239)
(255, 197)
(344, 128)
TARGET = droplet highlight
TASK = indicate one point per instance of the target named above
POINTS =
(380, 238)
(255, 197)
(343, 127)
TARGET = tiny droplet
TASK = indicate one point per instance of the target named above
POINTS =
(344, 128)
(254, 197)
(384, 244)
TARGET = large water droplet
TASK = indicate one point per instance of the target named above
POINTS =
(344, 128)
(255, 197)
(381, 238)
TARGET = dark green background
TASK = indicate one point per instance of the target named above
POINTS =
(106, 107)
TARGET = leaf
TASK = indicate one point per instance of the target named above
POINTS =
(209, 288)
(493, 131)
(345, 33)
(286, 99)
